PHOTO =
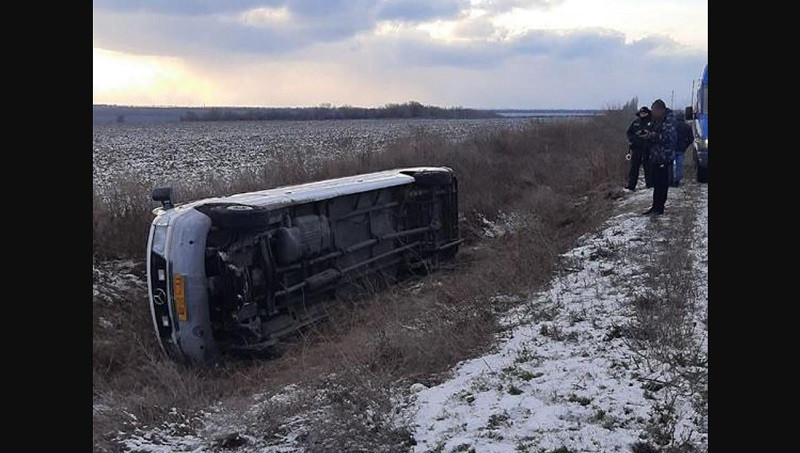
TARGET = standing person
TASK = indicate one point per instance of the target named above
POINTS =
(663, 137)
(685, 137)
(638, 148)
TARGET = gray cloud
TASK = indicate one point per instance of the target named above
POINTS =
(574, 44)
(475, 28)
(194, 36)
(420, 10)
(216, 27)
(581, 69)
(505, 5)
(546, 81)
(181, 32)
(417, 49)
(181, 7)
(209, 28)
(488, 76)
(369, 10)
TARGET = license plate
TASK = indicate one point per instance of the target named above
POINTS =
(179, 294)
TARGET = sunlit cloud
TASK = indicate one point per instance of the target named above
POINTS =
(129, 79)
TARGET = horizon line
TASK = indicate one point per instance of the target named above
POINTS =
(332, 106)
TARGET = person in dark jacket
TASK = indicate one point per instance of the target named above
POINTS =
(685, 137)
(638, 147)
(663, 138)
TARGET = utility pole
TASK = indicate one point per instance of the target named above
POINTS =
(672, 100)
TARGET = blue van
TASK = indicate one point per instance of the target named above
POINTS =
(697, 115)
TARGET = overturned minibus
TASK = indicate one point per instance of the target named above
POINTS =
(238, 273)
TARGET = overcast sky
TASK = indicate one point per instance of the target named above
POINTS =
(472, 53)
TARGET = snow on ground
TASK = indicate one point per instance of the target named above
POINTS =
(504, 224)
(189, 152)
(700, 254)
(564, 376)
(113, 279)
(112, 284)
(213, 429)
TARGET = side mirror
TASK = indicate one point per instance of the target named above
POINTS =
(164, 195)
(689, 113)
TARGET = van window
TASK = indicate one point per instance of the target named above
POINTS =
(704, 105)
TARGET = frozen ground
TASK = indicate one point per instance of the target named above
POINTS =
(111, 280)
(188, 151)
(566, 375)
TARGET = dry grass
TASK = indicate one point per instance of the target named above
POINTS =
(663, 335)
(558, 178)
(541, 166)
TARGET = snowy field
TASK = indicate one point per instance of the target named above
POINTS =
(188, 151)
(568, 373)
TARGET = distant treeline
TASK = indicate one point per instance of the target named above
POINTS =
(108, 114)
(328, 112)
(547, 112)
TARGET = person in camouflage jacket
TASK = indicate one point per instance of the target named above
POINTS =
(663, 136)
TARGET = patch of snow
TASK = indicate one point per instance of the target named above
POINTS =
(113, 280)
(564, 377)
(561, 378)
(700, 254)
(416, 388)
(206, 431)
(504, 223)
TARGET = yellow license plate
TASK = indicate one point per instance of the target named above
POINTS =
(179, 294)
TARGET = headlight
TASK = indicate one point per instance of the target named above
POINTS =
(159, 239)
(704, 143)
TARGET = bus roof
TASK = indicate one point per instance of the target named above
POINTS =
(318, 190)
